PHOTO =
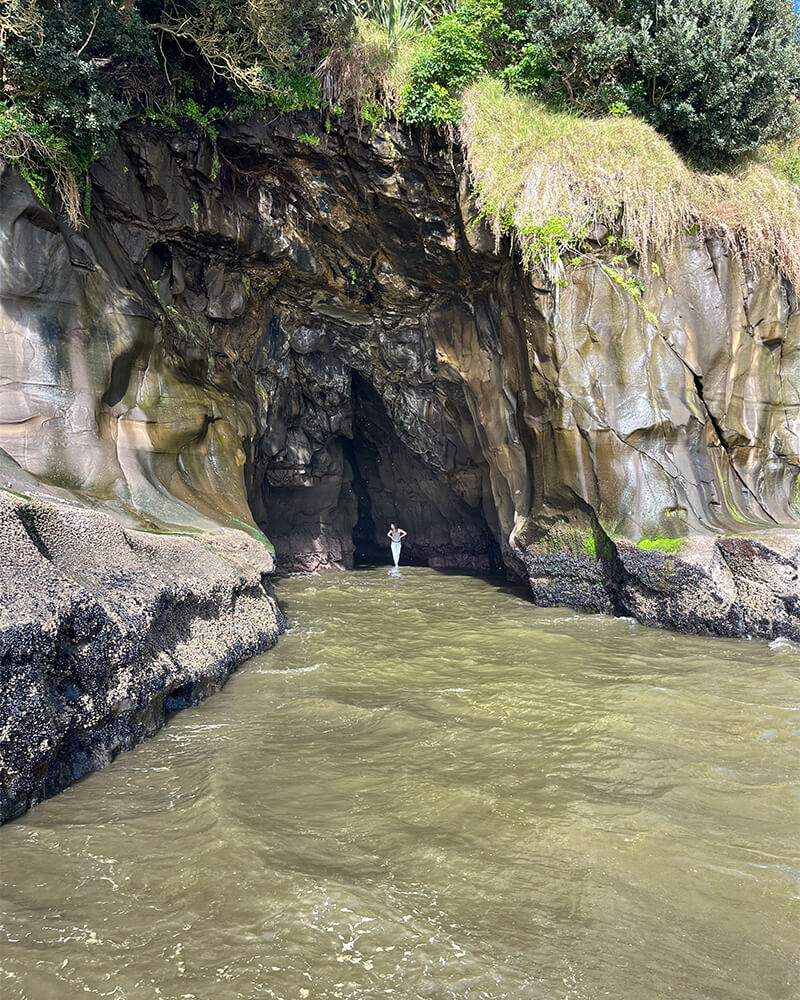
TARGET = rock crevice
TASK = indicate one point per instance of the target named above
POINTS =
(315, 340)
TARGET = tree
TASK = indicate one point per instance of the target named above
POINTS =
(718, 77)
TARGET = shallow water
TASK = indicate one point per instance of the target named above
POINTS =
(433, 789)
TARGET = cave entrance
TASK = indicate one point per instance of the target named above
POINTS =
(441, 511)
(366, 550)
(327, 500)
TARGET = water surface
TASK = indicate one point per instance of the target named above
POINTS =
(432, 789)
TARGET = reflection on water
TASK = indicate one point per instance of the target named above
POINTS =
(432, 789)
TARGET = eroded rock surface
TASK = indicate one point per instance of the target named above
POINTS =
(315, 340)
(104, 629)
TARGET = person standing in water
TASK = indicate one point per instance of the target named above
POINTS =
(396, 535)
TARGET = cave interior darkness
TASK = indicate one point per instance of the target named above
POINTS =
(355, 487)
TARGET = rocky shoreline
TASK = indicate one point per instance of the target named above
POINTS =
(105, 630)
(733, 587)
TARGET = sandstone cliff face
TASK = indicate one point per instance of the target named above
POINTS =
(316, 340)
(132, 575)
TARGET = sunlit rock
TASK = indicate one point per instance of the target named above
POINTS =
(312, 344)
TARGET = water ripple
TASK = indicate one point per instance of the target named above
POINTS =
(432, 789)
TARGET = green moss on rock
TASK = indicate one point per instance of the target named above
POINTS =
(669, 545)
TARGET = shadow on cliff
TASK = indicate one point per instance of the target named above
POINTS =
(339, 516)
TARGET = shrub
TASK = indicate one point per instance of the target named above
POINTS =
(398, 19)
(367, 70)
(451, 56)
(60, 65)
(573, 53)
(40, 156)
(717, 77)
(74, 70)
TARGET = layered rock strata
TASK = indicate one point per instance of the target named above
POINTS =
(327, 329)
(313, 340)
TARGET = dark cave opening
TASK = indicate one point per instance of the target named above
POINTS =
(391, 483)
(330, 503)
(366, 550)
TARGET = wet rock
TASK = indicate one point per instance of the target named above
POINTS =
(320, 341)
(105, 629)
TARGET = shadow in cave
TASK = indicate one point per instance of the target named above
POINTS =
(328, 499)
(366, 550)
(441, 510)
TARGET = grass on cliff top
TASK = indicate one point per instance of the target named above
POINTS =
(547, 178)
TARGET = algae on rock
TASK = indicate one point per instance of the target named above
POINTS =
(334, 342)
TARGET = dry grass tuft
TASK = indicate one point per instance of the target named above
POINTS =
(27, 153)
(369, 69)
(550, 178)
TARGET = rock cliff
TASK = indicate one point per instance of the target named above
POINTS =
(310, 340)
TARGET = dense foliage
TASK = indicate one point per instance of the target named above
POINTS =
(718, 77)
(59, 109)
(72, 70)
(61, 71)
(449, 57)
(261, 47)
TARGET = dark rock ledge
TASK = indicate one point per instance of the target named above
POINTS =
(104, 630)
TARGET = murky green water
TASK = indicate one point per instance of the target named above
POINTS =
(432, 789)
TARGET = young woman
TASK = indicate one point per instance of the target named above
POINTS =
(396, 535)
